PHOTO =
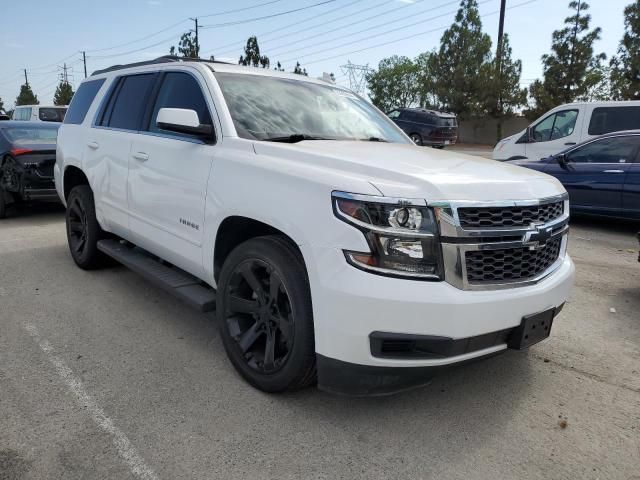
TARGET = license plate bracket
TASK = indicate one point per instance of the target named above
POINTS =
(533, 329)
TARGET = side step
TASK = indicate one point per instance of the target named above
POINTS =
(177, 282)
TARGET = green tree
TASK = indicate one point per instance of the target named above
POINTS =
(464, 49)
(252, 55)
(625, 67)
(278, 67)
(187, 46)
(1, 104)
(26, 96)
(568, 69)
(64, 94)
(502, 78)
(426, 82)
(394, 84)
(299, 70)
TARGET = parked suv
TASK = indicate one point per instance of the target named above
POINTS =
(330, 247)
(427, 127)
(40, 113)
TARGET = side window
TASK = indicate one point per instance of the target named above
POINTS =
(180, 90)
(557, 125)
(614, 119)
(608, 150)
(394, 114)
(130, 102)
(82, 100)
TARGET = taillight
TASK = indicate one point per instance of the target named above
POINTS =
(20, 151)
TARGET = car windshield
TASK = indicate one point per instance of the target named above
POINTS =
(51, 114)
(265, 108)
(31, 134)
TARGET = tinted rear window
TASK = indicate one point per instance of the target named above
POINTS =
(130, 102)
(82, 100)
(31, 134)
(614, 119)
(51, 114)
(447, 122)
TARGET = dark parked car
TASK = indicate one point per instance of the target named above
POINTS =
(3, 115)
(27, 157)
(427, 127)
(602, 175)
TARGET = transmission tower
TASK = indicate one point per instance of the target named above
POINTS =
(357, 76)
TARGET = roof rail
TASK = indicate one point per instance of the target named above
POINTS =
(163, 59)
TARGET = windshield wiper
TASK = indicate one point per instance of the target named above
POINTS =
(294, 138)
(374, 139)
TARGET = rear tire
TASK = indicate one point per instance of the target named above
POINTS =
(3, 204)
(417, 139)
(83, 230)
(263, 308)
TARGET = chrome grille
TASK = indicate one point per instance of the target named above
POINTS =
(520, 216)
(511, 264)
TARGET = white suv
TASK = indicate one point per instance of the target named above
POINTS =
(329, 245)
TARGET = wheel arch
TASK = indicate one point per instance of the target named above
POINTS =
(73, 177)
(236, 229)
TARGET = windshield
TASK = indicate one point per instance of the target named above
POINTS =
(447, 122)
(31, 134)
(266, 108)
(50, 114)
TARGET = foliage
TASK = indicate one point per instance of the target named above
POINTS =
(64, 94)
(299, 70)
(278, 67)
(252, 55)
(26, 96)
(625, 67)
(501, 78)
(464, 50)
(426, 81)
(569, 69)
(187, 46)
(394, 84)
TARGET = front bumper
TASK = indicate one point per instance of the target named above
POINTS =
(349, 305)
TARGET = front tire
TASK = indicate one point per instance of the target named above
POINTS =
(83, 230)
(417, 139)
(263, 308)
(3, 204)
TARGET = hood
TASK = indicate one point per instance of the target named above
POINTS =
(404, 170)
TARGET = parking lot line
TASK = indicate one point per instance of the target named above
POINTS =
(123, 445)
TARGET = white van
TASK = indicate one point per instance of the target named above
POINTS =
(568, 125)
(40, 113)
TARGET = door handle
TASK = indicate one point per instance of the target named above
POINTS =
(143, 157)
(613, 171)
(570, 143)
(93, 145)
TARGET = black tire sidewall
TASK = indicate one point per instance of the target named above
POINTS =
(3, 204)
(419, 142)
(299, 369)
(91, 257)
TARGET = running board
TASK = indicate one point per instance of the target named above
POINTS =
(175, 281)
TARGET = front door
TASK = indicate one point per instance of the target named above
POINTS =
(594, 173)
(168, 177)
(553, 134)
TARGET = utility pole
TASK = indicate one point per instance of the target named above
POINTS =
(84, 60)
(64, 73)
(197, 43)
(499, 67)
(26, 81)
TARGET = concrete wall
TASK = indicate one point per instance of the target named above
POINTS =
(484, 130)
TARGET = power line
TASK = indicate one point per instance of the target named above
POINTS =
(294, 24)
(389, 22)
(238, 22)
(378, 34)
(139, 39)
(407, 37)
(239, 9)
(121, 54)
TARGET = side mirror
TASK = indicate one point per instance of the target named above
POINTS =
(182, 120)
(562, 160)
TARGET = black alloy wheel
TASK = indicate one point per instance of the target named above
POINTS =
(77, 227)
(264, 312)
(415, 138)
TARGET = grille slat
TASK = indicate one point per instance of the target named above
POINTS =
(500, 217)
(513, 264)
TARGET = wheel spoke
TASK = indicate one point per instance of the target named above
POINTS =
(250, 277)
(249, 337)
(285, 326)
(269, 350)
(242, 305)
(75, 226)
(80, 245)
(274, 286)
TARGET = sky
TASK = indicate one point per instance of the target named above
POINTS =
(323, 35)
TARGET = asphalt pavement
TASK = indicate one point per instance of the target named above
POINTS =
(103, 376)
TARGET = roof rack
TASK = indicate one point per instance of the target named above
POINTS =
(163, 59)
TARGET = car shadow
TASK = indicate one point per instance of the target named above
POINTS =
(605, 224)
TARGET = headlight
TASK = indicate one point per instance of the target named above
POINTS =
(402, 235)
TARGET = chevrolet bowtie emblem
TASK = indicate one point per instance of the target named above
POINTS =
(538, 237)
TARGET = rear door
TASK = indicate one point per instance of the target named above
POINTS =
(168, 176)
(594, 174)
(631, 191)
(106, 157)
